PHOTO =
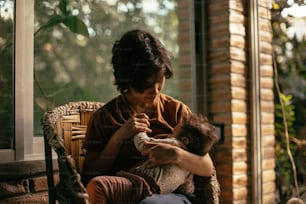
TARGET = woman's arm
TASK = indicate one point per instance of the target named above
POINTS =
(101, 163)
(163, 153)
(199, 165)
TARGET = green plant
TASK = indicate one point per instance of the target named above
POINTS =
(290, 92)
(285, 149)
(74, 23)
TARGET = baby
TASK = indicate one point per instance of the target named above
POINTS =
(196, 135)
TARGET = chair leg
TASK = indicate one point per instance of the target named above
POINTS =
(49, 171)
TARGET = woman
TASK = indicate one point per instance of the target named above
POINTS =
(141, 65)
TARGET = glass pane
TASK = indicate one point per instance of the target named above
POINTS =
(6, 74)
(71, 67)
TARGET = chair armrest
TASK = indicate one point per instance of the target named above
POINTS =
(207, 189)
(70, 189)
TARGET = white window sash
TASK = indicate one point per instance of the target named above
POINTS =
(27, 147)
(24, 56)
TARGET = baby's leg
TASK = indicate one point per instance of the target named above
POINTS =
(168, 177)
(188, 187)
(109, 190)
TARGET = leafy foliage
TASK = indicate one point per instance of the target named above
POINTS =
(284, 172)
(76, 66)
(290, 55)
(75, 24)
(6, 77)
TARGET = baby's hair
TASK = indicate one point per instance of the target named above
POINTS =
(201, 133)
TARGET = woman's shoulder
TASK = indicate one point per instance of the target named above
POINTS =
(108, 104)
(116, 108)
(172, 110)
(171, 103)
(108, 107)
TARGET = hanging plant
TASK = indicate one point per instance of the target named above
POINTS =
(72, 22)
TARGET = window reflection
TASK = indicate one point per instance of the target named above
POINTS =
(6, 74)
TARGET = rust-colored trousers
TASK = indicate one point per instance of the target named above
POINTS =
(118, 189)
(128, 188)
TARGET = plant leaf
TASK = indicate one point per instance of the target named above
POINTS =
(63, 7)
(56, 19)
(76, 25)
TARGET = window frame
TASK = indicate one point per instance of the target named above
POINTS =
(23, 77)
(26, 146)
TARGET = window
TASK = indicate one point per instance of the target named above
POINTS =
(71, 67)
(6, 76)
(57, 66)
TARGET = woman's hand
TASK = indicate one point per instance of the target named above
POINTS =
(135, 124)
(164, 153)
(160, 153)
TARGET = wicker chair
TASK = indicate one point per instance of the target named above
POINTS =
(64, 131)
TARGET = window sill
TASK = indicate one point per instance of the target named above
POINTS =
(38, 152)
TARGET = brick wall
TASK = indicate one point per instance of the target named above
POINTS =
(186, 55)
(267, 102)
(229, 92)
(24, 182)
(230, 95)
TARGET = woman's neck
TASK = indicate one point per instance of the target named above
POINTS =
(138, 105)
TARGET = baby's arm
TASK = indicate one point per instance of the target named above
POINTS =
(142, 137)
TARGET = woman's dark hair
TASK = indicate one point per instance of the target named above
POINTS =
(202, 135)
(139, 61)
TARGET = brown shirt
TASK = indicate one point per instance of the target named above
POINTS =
(109, 118)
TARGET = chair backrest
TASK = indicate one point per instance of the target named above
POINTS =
(72, 129)
(64, 130)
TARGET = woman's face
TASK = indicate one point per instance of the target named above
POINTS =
(150, 95)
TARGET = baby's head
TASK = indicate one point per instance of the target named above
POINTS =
(197, 134)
